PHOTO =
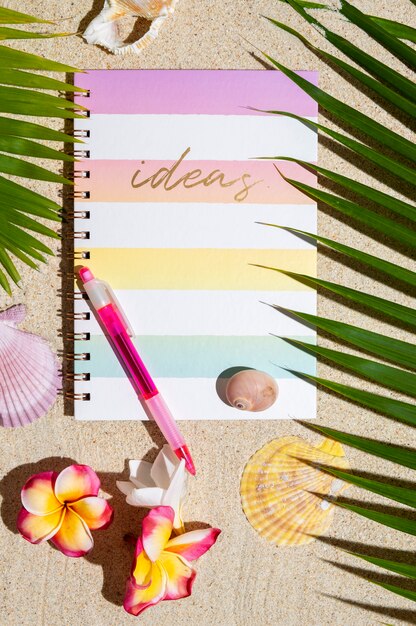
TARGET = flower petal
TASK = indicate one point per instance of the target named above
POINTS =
(73, 538)
(96, 512)
(147, 497)
(38, 495)
(140, 474)
(125, 486)
(137, 600)
(164, 466)
(180, 576)
(39, 528)
(175, 493)
(157, 528)
(142, 567)
(76, 482)
(194, 544)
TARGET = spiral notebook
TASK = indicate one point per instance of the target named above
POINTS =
(170, 192)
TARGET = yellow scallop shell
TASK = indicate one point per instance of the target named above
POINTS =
(279, 486)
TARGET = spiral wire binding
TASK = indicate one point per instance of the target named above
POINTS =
(71, 295)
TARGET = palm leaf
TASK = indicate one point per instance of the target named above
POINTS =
(8, 16)
(19, 196)
(383, 225)
(382, 90)
(17, 253)
(9, 266)
(402, 31)
(24, 240)
(35, 98)
(368, 193)
(397, 379)
(391, 492)
(402, 411)
(388, 451)
(378, 33)
(391, 269)
(386, 74)
(5, 283)
(20, 128)
(400, 353)
(402, 524)
(357, 120)
(18, 240)
(36, 81)
(380, 305)
(399, 92)
(17, 167)
(20, 219)
(25, 147)
(391, 166)
(405, 593)
(19, 95)
(7, 204)
(10, 58)
(15, 33)
(405, 569)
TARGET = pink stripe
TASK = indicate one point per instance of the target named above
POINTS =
(111, 181)
(203, 92)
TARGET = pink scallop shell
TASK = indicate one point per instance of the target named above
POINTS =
(29, 372)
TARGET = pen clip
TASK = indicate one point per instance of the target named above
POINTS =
(114, 300)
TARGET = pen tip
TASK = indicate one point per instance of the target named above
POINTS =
(183, 453)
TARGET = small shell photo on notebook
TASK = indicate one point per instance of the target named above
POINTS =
(179, 201)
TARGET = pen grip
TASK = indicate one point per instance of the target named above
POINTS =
(164, 419)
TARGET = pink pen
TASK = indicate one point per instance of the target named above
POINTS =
(114, 321)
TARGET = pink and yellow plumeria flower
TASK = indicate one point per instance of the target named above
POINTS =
(64, 508)
(161, 568)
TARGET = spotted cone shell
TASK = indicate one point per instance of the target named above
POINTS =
(29, 372)
(285, 495)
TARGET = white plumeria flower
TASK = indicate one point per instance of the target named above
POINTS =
(162, 483)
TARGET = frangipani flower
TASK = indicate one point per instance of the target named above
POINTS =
(161, 568)
(160, 483)
(64, 508)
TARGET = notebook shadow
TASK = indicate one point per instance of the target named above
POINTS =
(113, 547)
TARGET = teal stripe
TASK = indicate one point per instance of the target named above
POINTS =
(198, 356)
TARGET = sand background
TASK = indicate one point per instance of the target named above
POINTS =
(243, 580)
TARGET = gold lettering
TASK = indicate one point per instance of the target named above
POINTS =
(242, 195)
(165, 176)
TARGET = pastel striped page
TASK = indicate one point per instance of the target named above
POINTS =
(178, 199)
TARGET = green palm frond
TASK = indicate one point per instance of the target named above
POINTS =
(391, 269)
(382, 90)
(347, 114)
(392, 377)
(391, 492)
(403, 524)
(388, 451)
(397, 29)
(404, 569)
(380, 198)
(401, 353)
(22, 93)
(379, 305)
(386, 163)
(375, 213)
(371, 219)
(8, 16)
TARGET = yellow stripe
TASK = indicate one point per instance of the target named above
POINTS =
(166, 268)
